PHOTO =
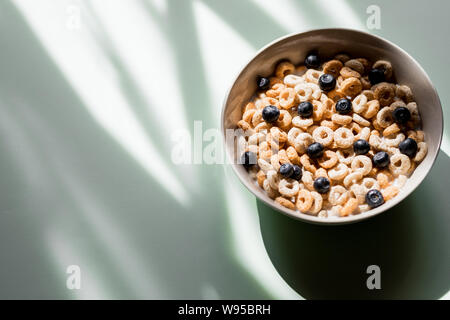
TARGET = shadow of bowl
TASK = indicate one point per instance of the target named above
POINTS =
(410, 244)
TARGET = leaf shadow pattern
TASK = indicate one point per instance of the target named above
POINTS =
(409, 243)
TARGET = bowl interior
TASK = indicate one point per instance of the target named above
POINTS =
(329, 42)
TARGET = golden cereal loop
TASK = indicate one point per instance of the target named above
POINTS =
(339, 172)
(384, 93)
(249, 106)
(404, 92)
(313, 76)
(394, 141)
(257, 118)
(304, 200)
(304, 92)
(311, 129)
(273, 179)
(333, 67)
(329, 124)
(360, 120)
(358, 192)
(317, 203)
(384, 117)
(390, 130)
(284, 120)
(278, 135)
(245, 126)
(359, 104)
(323, 135)
(338, 195)
(262, 126)
(355, 65)
(275, 91)
(287, 98)
(285, 203)
(396, 104)
(369, 94)
(341, 119)
(292, 155)
(344, 137)
(306, 163)
(347, 73)
(420, 136)
(389, 192)
(350, 206)
(365, 83)
(352, 178)
(274, 80)
(307, 179)
(384, 65)
(293, 80)
(328, 160)
(292, 135)
(256, 138)
(321, 172)
(369, 184)
(366, 64)
(288, 187)
(302, 142)
(363, 134)
(345, 156)
(265, 151)
(335, 95)
(399, 164)
(362, 164)
(301, 70)
(372, 108)
(248, 115)
(318, 110)
(351, 87)
(272, 193)
(283, 69)
(260, 177)
(422, 149)
(302, 122)
(383, 180)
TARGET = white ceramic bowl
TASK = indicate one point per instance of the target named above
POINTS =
(329, 42)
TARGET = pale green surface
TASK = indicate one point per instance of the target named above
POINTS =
(85, 121)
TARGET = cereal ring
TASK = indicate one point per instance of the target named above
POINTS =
(248, 115)
(321, 172)
(265, 151)
(288, 187)
(351, 86)
(249, 106)
(363, 134)
(273, 178)
(311, 129)
(362, 164)
(369, 184)
(272, 193)
(262, 126)
(287, 98)
(283, 69)
(346, 156)
(245, 127)
(257, 118)
(316, 91)
(323, 135)
(260, 177)
(355, 65)
(292, 155)
(404, 93)
(274, 80)
(329, 124)
(341, 119)
(389, 192)
(346, 73)
(396, 104)
(384, 117)
(284, 120)
(278, 135)
(376, 125)
(292, 135)
(304, 92)
(304, 200)
(366, 64)
(275, 91)
(369, 95)
(350, 206)
(385, 66)
(383, 179)
(318, 110)
(412, 107)
(292, 80)
(372, 108)
(307, 179)
(399, 164)
(302, 122)
(306, 163)
(302, 142)
(358, 192)
(338, 195)
(328, 106)
(363, 208)
(256, 138)
(333, 67)
(328, 160)
(352, 178)
(343, 137)
(301, 70)
(335, 95)
(313, 76)
(422, 149)
(285, 203)
(360, 120)
(392, 129)
(365, 83)
(394, 142)
(339, 172)
(317, 203)
(359, 104)
(384, 93)
(343, 57)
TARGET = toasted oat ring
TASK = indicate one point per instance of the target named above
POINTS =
(260, 177)
(358, 192)
(317, 203)
(404, 92)
(369, 184)
(347, 73)
(278, 135)
(341, 119)
(384, 93)
(292, 155)
(288, 187)
(366, 63)
(384, 65)
(343, 57)
(384, 117)
(275, 90)
(304, 92)
(292, 80)
(373, 107)
(262, 126)
(256, 138)
(422, 149)
(338, 195)
(313, 76)
(328, 105)
(390, 130)
(394, 142)
(265, 165)
(323, 135)
(246, 127)
(304, 200)
(321, 172)
(329, 124)
(351, 86)
(363, 134)
(384, 179)
(248, 115)
(302, 122)
(333, 67)
(389, 192)
(287, 98)
(345, 156)
(276, 161)
(311, 129)
(399, 164)
(339, 172)
(352, 178)
(302, 142)
(362, 164)
(257, 118)
(285, 203)
(273, 178)
(412, 107)
(356, 65)
(307, 179)
(359, 104)
(306, 163)
(292, 135)
(328, 159)
(343, 137)
(274, 80)
(369, 94)
(360, 120)
(284, 120)
(350, 206)
(272, 193)
(318, 110)
(283, 69)
(365, 83)
(335, 95)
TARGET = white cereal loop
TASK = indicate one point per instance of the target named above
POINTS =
(375, 141)
(302, 122)
(363, 134)
(302, 142)
(275, 161)
(359, 103)
(316, 92)
(346, 156)
(304, 92)
(352, 178)
(362, 164)
(317, 205)
(400, 164)
(265, 165)
(343, 137)
(384, 117)
(394, 141)
(357, 191)
(313, 76)
(370, 183)
(256, 138)
(293, 80)
(422, 150)
(339, 172)
(273, 178)
(288, 187)
(272, 193)
(338, 195)
(293, 134)
(257, 118)
(360, 120)
(318, 110)
(287, 98)
(323, 135)
(307, 179)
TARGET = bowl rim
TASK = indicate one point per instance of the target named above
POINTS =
(303, 216)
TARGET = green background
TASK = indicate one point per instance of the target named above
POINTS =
(90, 92)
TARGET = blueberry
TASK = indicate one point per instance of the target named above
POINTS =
(408, 147)
(322, 185)
(286, 170)
(315, 150)
(305, 109)
(248, 159)
(327, 82)
(374, 198)
(376, 76)
(380, 159)
(361, 146)
(263, 83)
(270, 113)
(401, 115)
(297, 172)
(344, 106)
(312, 60)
